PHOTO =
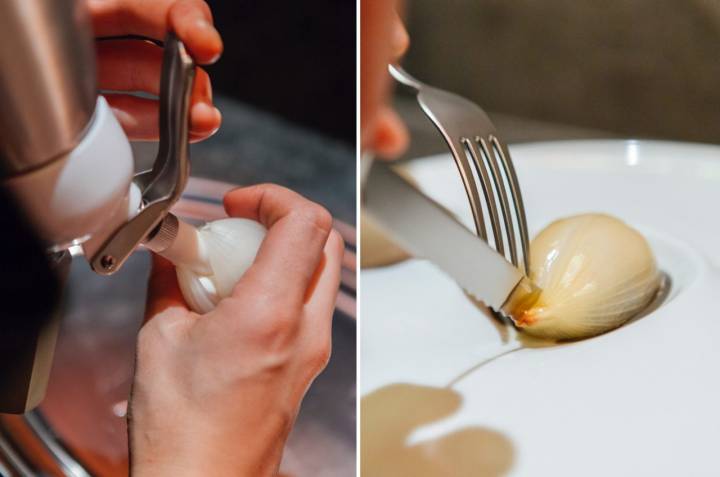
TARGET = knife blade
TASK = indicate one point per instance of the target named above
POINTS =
(428, 230)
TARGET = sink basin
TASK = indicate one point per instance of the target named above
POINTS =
(80, 428)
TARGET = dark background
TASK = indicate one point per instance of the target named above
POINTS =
(635, 68)
(294, 59)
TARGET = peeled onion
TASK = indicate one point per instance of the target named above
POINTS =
(229, 247)
(594, 273)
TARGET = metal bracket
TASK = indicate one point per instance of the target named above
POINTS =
(162, 185)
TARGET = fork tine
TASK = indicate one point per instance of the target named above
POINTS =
(489, 150)
(464, 167)
(487, 188)
(451, 115)
(517, 199)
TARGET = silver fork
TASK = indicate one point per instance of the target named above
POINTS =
(467, 130)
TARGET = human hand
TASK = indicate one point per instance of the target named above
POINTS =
(127, 65)
(384, 41)
(218, 394)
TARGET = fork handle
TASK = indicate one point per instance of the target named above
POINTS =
(402, 76)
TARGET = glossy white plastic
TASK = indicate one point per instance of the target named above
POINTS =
(84, 192)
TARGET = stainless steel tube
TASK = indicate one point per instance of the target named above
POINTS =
(47, 81)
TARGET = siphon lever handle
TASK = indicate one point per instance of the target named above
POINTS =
(162, 185)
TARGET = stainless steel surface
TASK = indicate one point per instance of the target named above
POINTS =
(28, 347)
(161, 186)
(12, 460)
(414, 220)
(64, 460)
(47, 80)
(467, 130)
(512, 129)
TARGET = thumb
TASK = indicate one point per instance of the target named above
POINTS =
(163, 289)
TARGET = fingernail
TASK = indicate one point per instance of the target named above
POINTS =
(214, 59)
(204, 109)
(204, 24)
(214, 43)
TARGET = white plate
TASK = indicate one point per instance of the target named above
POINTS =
(641, 400)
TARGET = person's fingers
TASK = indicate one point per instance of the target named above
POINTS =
(139, 117)
(320, 299)
(400, 40)
(316, 327)
(129, 65)
(136, 65)
(124, 17)
(293, 247)
(268, 204)
(191, 20)
(391, 137)
(132, 66)
(376, 23)
(163, 289)
(205, 121)
(196, 30)
(202, 88)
